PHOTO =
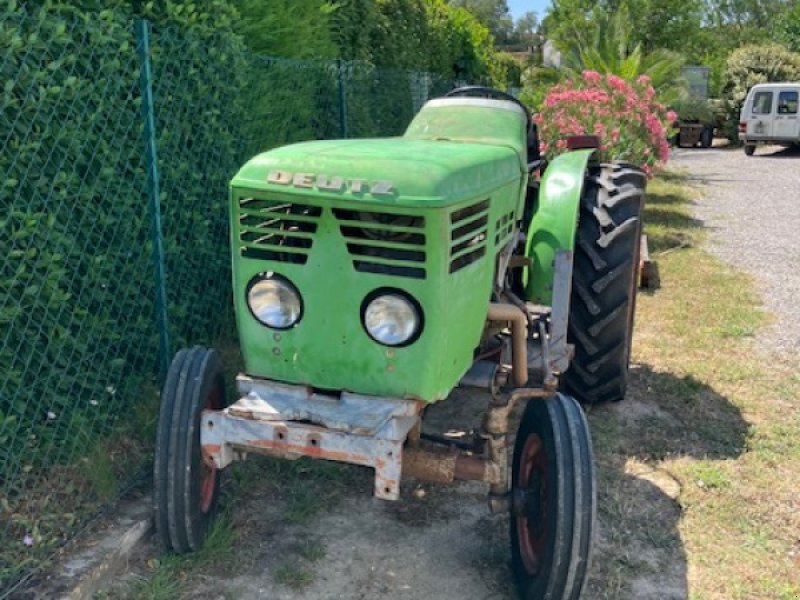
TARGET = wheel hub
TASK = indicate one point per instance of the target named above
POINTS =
(529, 504)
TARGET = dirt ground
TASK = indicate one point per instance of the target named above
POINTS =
(437, 542)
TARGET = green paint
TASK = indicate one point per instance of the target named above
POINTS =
(443, 164)
(553, 225)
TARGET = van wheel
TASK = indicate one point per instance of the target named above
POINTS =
(749, 149)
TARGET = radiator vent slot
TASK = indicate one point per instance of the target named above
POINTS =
(276, 230)
(503, 228)
(384, 243)
(468, 232)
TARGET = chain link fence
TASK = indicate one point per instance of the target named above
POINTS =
(117, 143)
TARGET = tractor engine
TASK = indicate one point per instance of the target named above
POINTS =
(368, 265)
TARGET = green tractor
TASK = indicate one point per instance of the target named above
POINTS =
(371, 277)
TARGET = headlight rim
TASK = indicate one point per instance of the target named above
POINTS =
(267, 276)
(388, 291)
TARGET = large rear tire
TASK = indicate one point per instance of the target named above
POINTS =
(553, 500)
(186, 488)
(604, 282)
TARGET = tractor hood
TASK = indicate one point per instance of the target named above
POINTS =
(401, 171)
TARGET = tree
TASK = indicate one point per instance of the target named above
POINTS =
(789, 28)
(612, 50)
(669, 24)
(526, 30)
(491, 13)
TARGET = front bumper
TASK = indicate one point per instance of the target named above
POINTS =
(291, 421)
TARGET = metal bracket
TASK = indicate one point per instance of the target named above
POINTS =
(291, 421)
(560, 352)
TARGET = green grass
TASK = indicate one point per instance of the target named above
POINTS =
(166, 576)
(294, 577)
(699, 467)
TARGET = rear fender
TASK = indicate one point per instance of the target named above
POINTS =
(553, 226)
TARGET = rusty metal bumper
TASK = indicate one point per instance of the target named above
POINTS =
(291, 421)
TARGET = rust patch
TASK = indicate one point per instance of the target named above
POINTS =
(284, 447)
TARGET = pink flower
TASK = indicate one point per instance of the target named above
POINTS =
(672, 116)
(592, 76)
(626, 117)
(644, 79)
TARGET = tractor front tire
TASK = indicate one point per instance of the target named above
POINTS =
(553, 503)
(604, 283)
(186, 487)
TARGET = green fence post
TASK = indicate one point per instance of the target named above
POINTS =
(342, 98)
(151, 166)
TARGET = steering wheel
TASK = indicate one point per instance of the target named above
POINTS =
(479, 91)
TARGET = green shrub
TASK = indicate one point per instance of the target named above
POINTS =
(76, 275)
(694, 109)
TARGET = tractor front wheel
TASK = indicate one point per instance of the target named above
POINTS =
(604, 283)
(186, 486)
(553, 500)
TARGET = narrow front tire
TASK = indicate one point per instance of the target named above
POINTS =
(553, 501)
(186, 486)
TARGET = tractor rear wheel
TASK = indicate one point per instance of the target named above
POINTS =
(553, 500)
(186, 487)
(604, 283)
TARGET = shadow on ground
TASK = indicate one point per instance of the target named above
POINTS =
(777, 152)
(639, 554)
(668, 225)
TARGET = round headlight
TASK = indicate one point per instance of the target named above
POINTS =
(274, 301)
(392, 319)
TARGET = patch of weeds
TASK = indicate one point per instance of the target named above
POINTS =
(308, 486)
(303, 505)
(100, 472)
(311, 549)
(294, 577)
(707, 475)
(169, 573)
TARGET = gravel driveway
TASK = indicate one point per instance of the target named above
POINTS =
(750, 207)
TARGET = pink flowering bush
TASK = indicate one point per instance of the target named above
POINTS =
(631, 124)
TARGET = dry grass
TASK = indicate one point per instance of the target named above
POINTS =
(699, 466)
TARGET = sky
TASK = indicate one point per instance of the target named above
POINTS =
(517, 8)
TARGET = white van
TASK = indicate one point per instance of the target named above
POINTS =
(770, 115)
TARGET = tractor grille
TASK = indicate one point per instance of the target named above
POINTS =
(276, 230)
(468, 235)
(503, 228)
(385, 243)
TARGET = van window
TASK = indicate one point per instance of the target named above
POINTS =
(762, 103)
(787, 103)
